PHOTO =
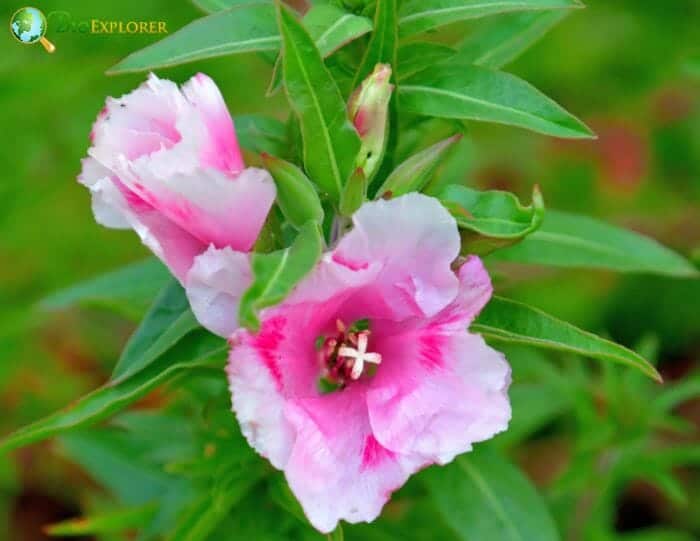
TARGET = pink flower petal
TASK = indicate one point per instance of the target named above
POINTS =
(214, 287)
(440, 388)
(213, 207)
(415, 239)
(337, 469)
(223, 153)
(176, 171)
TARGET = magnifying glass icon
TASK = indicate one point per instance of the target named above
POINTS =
(28, 25)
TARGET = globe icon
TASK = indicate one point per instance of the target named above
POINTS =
(28, 25)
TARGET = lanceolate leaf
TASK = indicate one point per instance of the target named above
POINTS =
(502, 40)
(331, 28)
(462, 91)
(296, 195)
(129, 289)
(262, 134)
(241, 29)
(276, 274)
(383, 44)
(168, 320)
(198, 350)
(421, 15)
(414, 173)
(570, 240)
(492, 219)
(203, 515)
(119, 520)
(330, 141)
(482, 496)
(511, 321)
(416, 56)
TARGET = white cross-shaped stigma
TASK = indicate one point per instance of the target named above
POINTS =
(360, 355)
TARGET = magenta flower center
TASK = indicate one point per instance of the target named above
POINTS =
(346, 356)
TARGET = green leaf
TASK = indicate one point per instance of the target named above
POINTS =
(421, 15)
(492, 219)
(262, 134)
(276, 274)
(109, 522)
(123, 289)
(337, 534)
(241, 29)
(481, 496)
(204, 515)
(462, 91)
(571, 240)
(383, 44)
(510, 321)
(198, 350)
(419, 55)
(212, 6)
(168, 320)
(296, 194)
(330, 141)
(331, 28)
(354, 193)
(502, 40)
(414, 173)
(114, 458)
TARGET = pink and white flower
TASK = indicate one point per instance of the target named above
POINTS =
(165, 162)
(366, 373)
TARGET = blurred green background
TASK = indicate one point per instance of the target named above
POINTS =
(626, 67)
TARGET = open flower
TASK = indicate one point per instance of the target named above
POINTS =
(166, 163)
(366, 373)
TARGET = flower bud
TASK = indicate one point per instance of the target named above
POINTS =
(368, 109)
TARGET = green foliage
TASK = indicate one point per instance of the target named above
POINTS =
(124, 290)
(383, 43)
(422, 15)
(464, 91)
(330, 143)
(244, 28)
(510, 321)
(481, 496)
(276, 274)
(569, 240)
(296, 195)
(492, 220)
(413, 174)
(502, 40)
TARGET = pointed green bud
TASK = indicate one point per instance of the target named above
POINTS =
(369, 112)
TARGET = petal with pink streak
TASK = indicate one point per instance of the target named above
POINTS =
(337, 469)
(172, 244)
(437, 377)
(415, 239)
(223, 151)
(213, 207)
(214, 287)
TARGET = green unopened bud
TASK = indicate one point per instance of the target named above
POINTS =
(369, 112)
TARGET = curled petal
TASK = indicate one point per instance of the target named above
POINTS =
(214, 287)
(223, 152)
(415, 240)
